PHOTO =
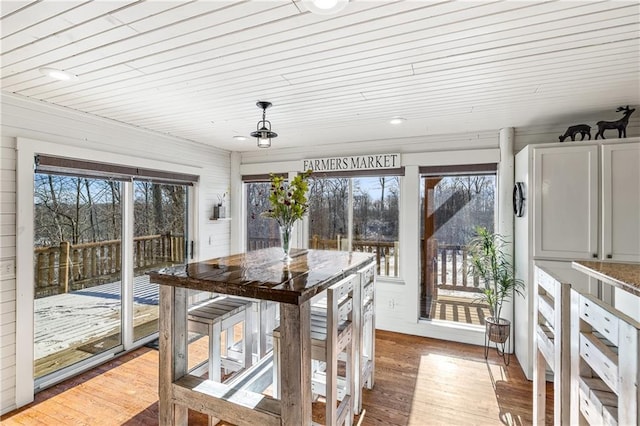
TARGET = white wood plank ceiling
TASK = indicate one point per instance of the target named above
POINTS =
(194, 69)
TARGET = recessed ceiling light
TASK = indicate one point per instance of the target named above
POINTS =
(325, 7)
(240, 138)
(59, 74)
(397, 120)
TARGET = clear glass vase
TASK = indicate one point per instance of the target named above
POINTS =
(285, 240)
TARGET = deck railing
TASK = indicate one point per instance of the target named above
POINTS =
(70, 267)
(261, 243)
(449, 269)
(452, 269)
(386, 251)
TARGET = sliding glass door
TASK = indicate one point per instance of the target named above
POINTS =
(84, 264)
(78, 282)
(159, 240)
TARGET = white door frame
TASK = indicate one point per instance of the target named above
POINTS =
(27, 149)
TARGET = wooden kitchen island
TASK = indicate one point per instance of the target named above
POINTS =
(258, 275)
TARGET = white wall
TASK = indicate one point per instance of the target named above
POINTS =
(42, 122)
(397, 301)
(7, 282)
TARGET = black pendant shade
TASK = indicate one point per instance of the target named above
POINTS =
(263, 131)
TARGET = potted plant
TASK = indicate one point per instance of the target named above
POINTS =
(490, 262)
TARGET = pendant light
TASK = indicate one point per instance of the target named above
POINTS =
(263, 133)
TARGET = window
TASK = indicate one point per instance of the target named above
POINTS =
(262, 232)
(452, 205)
(360, 213)
(328, 213)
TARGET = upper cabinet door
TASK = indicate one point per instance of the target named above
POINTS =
(621, 202)
(566, 202)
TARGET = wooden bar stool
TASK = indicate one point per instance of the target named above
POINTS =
(211, 318)
(551, 346)
(366, 333)
(332, 332)
(268, 313)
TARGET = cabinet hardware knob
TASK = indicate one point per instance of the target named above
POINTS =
(609, 256)
(595, 255)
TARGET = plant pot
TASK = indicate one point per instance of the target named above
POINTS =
(497, 330)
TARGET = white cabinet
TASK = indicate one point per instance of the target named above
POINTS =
(620, 211)
(582, 201)
(587, 202)
(565, 199)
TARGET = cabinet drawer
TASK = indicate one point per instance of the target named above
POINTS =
(598, 318)
(599, 407)
(600, 358)
(588, 409)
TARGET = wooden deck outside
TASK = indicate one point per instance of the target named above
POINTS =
(460, 309)
(419, 381)
(73, 326)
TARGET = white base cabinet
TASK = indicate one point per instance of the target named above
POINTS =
(604, 364)
(582, 201)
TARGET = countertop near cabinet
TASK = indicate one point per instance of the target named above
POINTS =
(619, 274)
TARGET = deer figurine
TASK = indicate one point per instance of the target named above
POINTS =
(621, 124)
(581, 129)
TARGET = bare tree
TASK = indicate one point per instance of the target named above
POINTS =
(158, 210)
(93, 221)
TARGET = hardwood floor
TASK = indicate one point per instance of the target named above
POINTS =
(419, 381)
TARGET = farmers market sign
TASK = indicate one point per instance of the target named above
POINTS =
(356, 162)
